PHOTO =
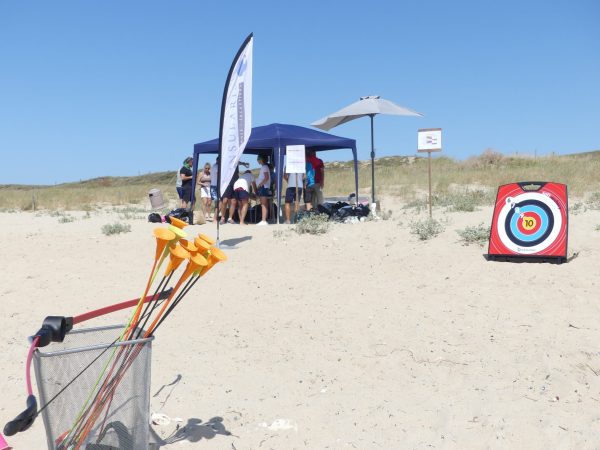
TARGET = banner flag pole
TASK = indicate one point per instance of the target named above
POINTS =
(236, 118)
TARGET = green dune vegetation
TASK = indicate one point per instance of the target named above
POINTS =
(458, 185)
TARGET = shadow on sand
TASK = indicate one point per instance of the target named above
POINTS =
(193, 431)
(231, 243)
(531, 259)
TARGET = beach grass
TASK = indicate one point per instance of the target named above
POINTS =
(457, 185)
(407, 179)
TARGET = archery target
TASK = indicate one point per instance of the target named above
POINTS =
(529, 223)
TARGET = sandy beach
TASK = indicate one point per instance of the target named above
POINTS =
(361, 338)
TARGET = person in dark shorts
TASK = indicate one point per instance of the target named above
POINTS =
(295, 183)
(263, 184)
(310, 193)
(319, 167)
(185, 174)
(241, 191)
(228, 199)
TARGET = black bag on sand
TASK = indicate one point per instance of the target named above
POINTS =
(350, 211)
(179, 213)
(326, 209)
(154, 218)
(338, 205)
(362, 210)
(342, 213)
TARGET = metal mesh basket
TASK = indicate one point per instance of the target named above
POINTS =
(123, 425)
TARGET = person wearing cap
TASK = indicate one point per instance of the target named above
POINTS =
(185, 174)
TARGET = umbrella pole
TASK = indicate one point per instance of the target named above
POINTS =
(372, 164)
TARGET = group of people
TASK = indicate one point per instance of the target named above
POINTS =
(245, 186)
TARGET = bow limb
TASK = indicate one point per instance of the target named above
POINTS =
(54, 329)
(24, 420)
(117, 307)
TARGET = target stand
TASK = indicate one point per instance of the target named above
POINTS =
(530, 223)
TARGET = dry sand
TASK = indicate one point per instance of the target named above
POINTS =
(361, 338)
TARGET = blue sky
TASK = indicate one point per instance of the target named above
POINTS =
(94, 88)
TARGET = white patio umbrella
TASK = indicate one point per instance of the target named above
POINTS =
(366, 106)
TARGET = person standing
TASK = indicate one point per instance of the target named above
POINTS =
(179, 189)
(185, 174)
(214, 173)
(205, 187)
(295, 185)
(309, 188)
(262, 187)
(319, 175)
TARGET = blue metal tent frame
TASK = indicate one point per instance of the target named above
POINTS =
(271, 140)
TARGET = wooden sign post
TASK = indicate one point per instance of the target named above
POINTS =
(429, 140)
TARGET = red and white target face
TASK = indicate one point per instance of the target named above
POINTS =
(529, 223)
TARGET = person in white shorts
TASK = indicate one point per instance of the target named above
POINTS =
(204, 181)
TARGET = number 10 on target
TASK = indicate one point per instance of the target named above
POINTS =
(429, 140)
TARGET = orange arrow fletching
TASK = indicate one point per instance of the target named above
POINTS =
(202, 246)
(208, 239)
(195, 264)
(163, 237)
(178, 223)
(199, 261)
(215, 256)
(177, 255)
(188, 246)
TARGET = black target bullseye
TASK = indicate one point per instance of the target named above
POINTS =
(543, 230)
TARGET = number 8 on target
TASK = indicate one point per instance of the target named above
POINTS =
(530, 220)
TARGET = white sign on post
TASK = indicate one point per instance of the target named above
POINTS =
(295, 159)
(429, 140)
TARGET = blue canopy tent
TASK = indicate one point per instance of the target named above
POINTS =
(271, 140)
